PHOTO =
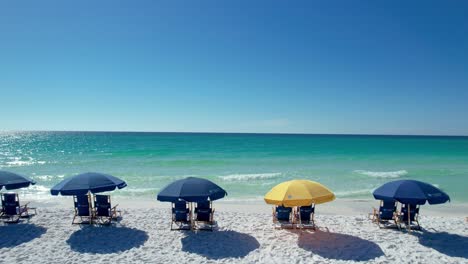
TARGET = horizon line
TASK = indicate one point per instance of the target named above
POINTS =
(247, 133)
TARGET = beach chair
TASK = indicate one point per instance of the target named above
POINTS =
(12, 211)
(181, 216)
(305, 216)
(103, 210)
(204, 215)
(282, 217)
(386, 213)
(408, 217)
(83, 210)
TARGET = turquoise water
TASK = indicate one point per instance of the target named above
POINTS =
(246, 165)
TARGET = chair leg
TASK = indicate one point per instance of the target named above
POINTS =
(12, 219)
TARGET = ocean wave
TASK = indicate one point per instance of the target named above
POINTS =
(19, 162)
(36, 189)
(354, 193)
(48, 177)
(141, 190)
(383, 174)
(246, 177)
(242, 199)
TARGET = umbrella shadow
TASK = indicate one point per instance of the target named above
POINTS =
(14, 235)
(452, 245)
(219, 244)
(339, 246)
(106, 239)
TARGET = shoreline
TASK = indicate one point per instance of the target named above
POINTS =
(349, 207)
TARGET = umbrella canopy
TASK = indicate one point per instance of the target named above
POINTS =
(299, 193)
(410, 192)
(13, 181)
(191, 189)
(87, 182)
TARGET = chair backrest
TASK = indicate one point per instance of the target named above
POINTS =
(82, 205)
(203, 211)
(179, 206)
(204, 205)
(414, 210)
(283, 213)
(305, 213)
(10, 204)
(180, 211)
(102, 204)
(387, 209)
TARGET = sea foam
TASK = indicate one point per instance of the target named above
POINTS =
(362, 192)
(383, 174)
(246, 177)
(18, 162)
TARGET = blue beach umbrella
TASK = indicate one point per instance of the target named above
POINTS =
(87, 182)
(12, 181)
(410, 192)
(191, 189)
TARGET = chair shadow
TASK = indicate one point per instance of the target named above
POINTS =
(339, 246)
(452, 245)
(219, 244)
(106, 239)
(16, 234)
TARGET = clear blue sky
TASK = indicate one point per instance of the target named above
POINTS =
(373, 67)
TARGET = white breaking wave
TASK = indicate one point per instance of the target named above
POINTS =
(383, 174)
(49, 177)
(354, 193)
(240, 199)
(246, 177)
(18, 162)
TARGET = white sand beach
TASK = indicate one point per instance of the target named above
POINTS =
(244, 235)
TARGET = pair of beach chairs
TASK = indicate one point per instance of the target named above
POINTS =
(12, 211)
(300, 217)
(387, 214)
(102, 212)
(202, 218)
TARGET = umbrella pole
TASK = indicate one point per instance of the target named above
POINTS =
(409, 222)
(298, 213)
(90, 209)
(191, 217)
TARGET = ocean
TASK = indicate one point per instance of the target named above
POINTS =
(246, 165)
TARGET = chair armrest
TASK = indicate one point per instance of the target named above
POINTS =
(373, 214)
(212, 214)
(397, 216)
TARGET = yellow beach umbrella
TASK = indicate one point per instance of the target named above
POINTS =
(299, 193)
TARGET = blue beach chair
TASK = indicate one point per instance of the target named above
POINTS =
(386, 213)
(282, 217)
(408, 218)
(181, 216)
(12, 211)
(306, 217)
(103, 210)
(204, 215)
(83, 210)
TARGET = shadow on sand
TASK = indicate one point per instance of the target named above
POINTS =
(106, 239)
(339, 246)
(15, 234)
(452, 245)
(219, 244)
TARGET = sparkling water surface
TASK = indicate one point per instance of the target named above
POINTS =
(246, 165)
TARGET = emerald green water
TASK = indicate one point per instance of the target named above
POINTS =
(246, 165)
